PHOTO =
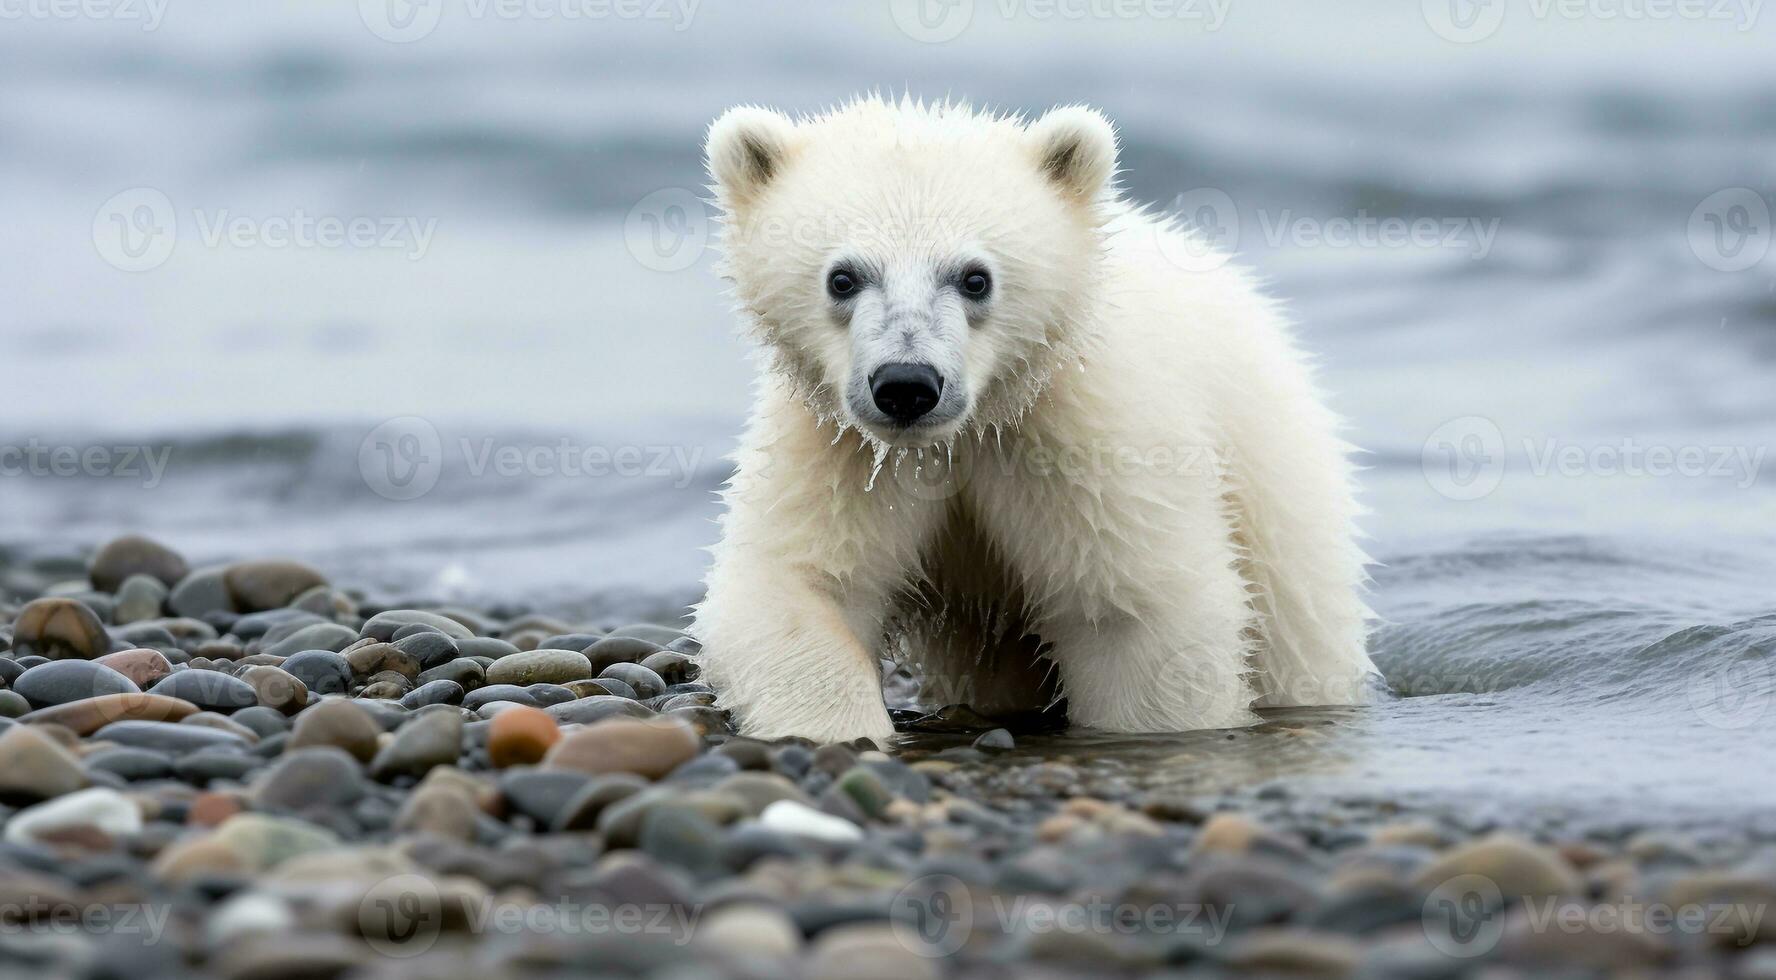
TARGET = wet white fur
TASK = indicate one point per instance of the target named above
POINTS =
(1202, 561)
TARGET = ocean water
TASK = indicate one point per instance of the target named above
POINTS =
(437, 315)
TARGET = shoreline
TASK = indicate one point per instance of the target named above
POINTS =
(291, 780)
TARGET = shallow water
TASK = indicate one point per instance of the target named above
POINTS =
(1567, 622)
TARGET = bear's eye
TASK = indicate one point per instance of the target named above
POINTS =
(976, 284)
(841, 283)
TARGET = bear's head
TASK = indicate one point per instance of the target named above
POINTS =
(915, 270)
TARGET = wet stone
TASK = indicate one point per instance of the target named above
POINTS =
(34, 766)
(429, 647)
(570, 641)
(222, 723)
(202, 767)
(165, 736)
(618, 650)
(262, 720)
(485, 646)
(339, 724)
(585, 711)
(426, 741)
(645, 682)
(437, 810)
(650, 748)
(475, 699)
(520, 736)
(276, 689)
(256, 585)
(315, 636)
(368, 661)
(382, 626)
(199, 593)
(13, 704)
(541, 666)
(142, 666)
(541, 794)
(311, 777)
(140, 597)
(99, 808)
(435, 692)
(321, 671)
(87, 716)
(59, 629)
(62, 681)
(132, 555)
(210, 690)
(466, 673)
(131, 764)
(673, 668)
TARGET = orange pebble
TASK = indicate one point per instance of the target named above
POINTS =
(210, 809)
(520, 735)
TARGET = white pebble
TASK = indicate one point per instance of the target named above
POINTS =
(106, 809)
(791, 817)
(251, 912)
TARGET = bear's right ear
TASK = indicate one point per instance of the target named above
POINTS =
(747, 149)
(1076, 149)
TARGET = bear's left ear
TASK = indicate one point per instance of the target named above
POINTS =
(1075, 148)
(747, 149)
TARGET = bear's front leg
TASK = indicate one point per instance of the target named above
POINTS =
(784, 654)
(811, 554)
(1158, 673)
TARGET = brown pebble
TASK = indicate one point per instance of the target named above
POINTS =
(257, 585)
(197, 857)
(647, 747)
(88, 715)
(378, 657)
(438, 809)
(210, 809)
(277, 689)
(34, 766)
(338, 723)
(134, 554)
(142, 666)
(60, 629)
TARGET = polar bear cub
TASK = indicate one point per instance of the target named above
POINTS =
(1017, 431)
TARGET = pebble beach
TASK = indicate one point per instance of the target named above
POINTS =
(250, 771)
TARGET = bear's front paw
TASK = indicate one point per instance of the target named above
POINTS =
(836, 725)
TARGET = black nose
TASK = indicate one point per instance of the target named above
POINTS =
(904, 392)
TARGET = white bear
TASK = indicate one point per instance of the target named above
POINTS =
(1011, 426)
